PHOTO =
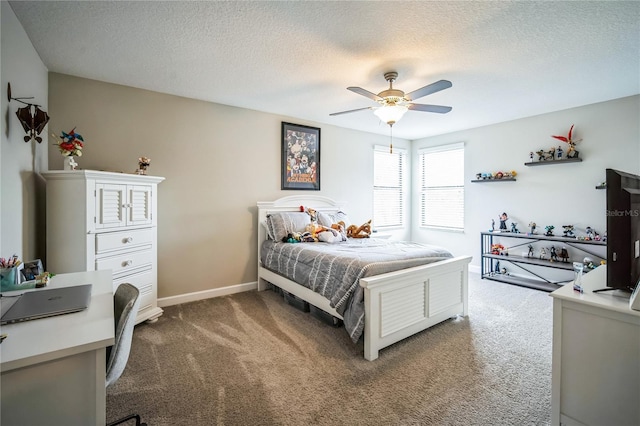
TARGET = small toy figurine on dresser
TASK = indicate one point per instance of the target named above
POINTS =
(143, 165)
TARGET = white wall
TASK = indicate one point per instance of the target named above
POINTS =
(22, 196)
(559, 194)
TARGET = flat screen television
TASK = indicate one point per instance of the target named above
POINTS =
(623, 230)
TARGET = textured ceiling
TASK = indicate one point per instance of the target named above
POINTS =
(506, 59)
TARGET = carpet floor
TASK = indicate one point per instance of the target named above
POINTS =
(252, 359)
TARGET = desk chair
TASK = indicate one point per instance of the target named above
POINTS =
(125, 309)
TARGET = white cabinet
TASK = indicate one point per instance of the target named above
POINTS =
(103, 220)
(595, 376)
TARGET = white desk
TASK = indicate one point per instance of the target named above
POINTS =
(53, 369)
(596, 356)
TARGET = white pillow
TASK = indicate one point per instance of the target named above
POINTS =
(281, 224)
(328, 219)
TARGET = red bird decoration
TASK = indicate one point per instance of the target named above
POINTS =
(567, 138)
(571, 152)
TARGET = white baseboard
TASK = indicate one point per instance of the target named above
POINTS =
(206, 294)
(223, 291)
(475, 269)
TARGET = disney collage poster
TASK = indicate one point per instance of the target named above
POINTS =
(300, 157)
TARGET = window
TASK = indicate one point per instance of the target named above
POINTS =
(442, 187)
(389, 172)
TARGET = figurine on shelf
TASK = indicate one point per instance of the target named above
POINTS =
(543, 253)
(571, 152)
(564, 255)
(559, 152)
(568, 231)
(532, 228)
(590, 235)
(554, 256)
(549, 230)
(497, 267)
(503, 222)
(497, 248)
(531, 155)
(503, 271)
(493, 225)
(530, 254)
(514, 228)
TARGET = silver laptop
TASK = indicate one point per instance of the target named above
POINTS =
(47, 303)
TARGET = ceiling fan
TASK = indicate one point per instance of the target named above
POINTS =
(394, 103)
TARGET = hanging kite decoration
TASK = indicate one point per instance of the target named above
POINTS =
(32, 118)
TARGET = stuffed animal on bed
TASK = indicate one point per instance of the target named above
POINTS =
(312, 231)
(292, 237)
(362, 231)
(311, 212)
(331, 235)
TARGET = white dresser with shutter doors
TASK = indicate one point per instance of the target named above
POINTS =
(103, 220)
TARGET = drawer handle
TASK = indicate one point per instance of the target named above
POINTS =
(128, 240)
(127, 263)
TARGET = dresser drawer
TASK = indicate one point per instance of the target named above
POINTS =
(143, 281)
(126, 262)
(123, 239)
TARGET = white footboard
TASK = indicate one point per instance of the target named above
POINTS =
(400, 304)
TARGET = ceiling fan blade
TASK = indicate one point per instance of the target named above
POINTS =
(430, 108)
(351, 110)
(427, 90)
(365, 93)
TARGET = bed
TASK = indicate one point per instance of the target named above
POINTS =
(394, 305)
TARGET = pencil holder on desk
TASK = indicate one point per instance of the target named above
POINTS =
(10, 279)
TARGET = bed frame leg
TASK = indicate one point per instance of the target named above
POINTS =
(262, 284)
(370, 354)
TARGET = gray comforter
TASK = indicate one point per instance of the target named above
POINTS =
(334, 270)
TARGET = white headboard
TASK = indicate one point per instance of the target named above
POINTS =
(292, 204)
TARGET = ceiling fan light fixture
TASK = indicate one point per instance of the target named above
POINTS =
(390, 114)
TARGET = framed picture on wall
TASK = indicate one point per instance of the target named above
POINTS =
(300, 157)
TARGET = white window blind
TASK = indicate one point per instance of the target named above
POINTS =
(442, 187)
(388, 187)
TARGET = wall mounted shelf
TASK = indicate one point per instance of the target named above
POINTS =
(544, 163)
(601, 187)
(494, 180)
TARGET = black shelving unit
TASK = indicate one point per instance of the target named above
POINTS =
(488, 260)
